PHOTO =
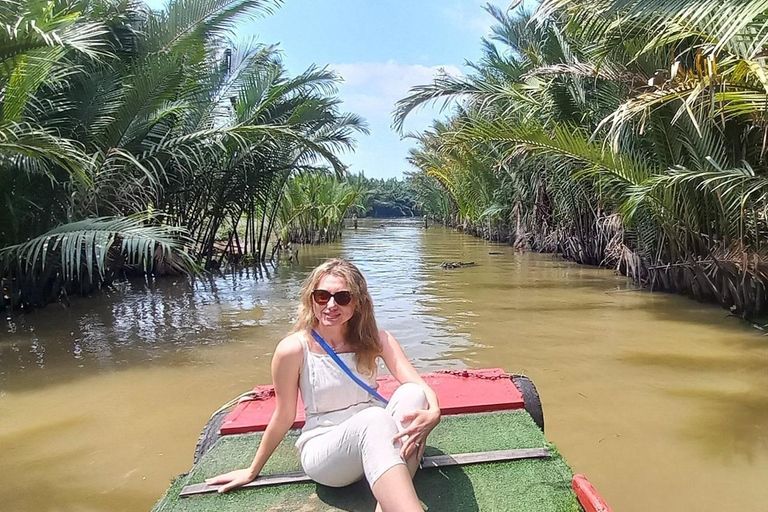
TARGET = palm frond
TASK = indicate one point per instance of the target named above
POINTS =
(185, 21)
(79, 249)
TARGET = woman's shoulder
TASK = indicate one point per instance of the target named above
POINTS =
(386, 339)
(291, 346)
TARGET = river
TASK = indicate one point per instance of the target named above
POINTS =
(662, 402)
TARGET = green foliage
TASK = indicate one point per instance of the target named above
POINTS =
(77, 249)
(619, 133)
(315, 205)
(387, 197)
(110, 109)
(429, 196)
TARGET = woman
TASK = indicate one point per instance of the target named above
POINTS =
(348, 434)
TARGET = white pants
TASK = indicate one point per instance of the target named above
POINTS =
(362, 445)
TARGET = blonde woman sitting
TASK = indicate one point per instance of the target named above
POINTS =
(348, 432)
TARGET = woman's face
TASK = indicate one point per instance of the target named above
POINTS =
(333, 314)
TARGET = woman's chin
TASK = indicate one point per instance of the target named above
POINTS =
(331, 321)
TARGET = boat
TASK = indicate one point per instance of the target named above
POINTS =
(488, 453)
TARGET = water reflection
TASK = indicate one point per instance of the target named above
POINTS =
(401, 281)
(139, 324)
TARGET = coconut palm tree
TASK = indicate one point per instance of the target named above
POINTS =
(645, 153)
(110, 109)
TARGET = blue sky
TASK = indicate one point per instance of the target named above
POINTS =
(381, 48)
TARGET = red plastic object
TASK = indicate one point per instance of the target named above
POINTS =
(460, 391)
(589, 498)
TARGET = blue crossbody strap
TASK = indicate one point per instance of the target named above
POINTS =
(346, 369)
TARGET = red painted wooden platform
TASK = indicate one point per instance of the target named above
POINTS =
(459, 391)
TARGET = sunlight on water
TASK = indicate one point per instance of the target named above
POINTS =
(661, 401)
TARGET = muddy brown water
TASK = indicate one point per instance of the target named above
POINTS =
(661, 401)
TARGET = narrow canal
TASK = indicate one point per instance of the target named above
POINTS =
(661, 401)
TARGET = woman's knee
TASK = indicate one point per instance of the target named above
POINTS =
(414, 391)
(335, 463)
(340, 474)
(410, 396)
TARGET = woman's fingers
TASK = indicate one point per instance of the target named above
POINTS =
(231, 480)
(228, 487)
(412, 448)
(218, 480)
(409, 450)
(233, 483)
(414, 434)
(400, 435)
(415, 429)
(407, 433)
(409, 446)
(404, 450)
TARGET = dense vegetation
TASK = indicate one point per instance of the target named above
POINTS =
(315, 206)
(389, 197)
(618, 133)
(132, 139)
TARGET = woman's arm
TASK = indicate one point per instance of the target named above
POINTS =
(422, 422)
(286, 365)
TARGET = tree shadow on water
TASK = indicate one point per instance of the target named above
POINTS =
(439, 489)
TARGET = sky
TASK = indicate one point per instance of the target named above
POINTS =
(381, 48)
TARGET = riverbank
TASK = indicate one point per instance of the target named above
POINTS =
(738, 291)
(645, 168)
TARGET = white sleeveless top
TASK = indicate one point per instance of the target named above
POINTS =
(330, 396)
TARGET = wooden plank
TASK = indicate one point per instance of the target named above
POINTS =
(293, 477)
(437, 461)
(461, 459)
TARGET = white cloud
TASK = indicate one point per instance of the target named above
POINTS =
(371, 89)
(469, 15)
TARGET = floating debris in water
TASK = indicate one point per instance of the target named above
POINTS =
(448, 265)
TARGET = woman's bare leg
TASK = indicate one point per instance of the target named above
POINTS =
(394, 491)
(412, 463)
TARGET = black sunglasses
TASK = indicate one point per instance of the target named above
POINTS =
(322, 297)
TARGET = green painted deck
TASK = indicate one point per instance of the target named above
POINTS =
(535, 485)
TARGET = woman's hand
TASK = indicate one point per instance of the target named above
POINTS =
(233, 479)
(421, 424)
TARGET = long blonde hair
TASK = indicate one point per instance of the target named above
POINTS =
(362, 331)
